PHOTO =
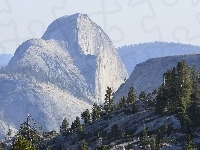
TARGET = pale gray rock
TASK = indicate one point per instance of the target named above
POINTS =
(59, 75)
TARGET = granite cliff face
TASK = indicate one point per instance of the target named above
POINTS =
(148, 75)
(59, 75)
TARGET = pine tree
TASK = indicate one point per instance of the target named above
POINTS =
(22, 144)
(174, 94)
(153, 144)
(31, 132)
(84, 145)
(76, 124)
(86, 116)
(142, 95)
(96, 112)
(158, 139)
(144, 138)
(194, 109)
(109, 99)
(64, 125)
(131, 96)
(194, 79)
(170, 84)
(189, 145)
(171, 87)
(184, 90)
(122, 102)
(161, 100)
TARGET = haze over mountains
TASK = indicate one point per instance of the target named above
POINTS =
(132, 55)
(59, 75)
(4, 59)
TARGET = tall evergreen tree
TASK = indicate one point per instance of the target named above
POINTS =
(194, 79)
(142, 95)
(161, 100)
(131, 96)
(64, 125)
(153, 144)
(144, 138)
(86, 116)
(96, 112)
(122, 102)
(170, 84)
(22, 144)
(194, 109)
(84, 145)
(31, 132)
(184, 89)
(174, 94)
(109, 99)
(76, 124)
(190, 145)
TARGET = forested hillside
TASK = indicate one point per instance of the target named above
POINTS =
(167, 118)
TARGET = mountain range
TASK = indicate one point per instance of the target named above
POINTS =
(59, 75)
(132, 55)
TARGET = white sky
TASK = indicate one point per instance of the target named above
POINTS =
(125, 21)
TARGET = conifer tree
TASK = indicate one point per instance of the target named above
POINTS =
(131, 99)
(22, 144)
(64, 125)
(184, 89)
(96, 112)
(109, 99)
(122, 102)
(153, 144)
(76, 124)
(86, 116)
(131, 96)
(194, 79)
(189, 145)
(161, 100)
(170, 84)
(84, 145)
(194, 109)
(158, 139)
(144, 138)
(142, 95)
(31, 132)
(174, 94)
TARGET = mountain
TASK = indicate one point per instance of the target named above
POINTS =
(147, 76)
(4, 59)
(132, 55)
(59, 75)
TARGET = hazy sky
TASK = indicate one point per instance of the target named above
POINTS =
(125, 21)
